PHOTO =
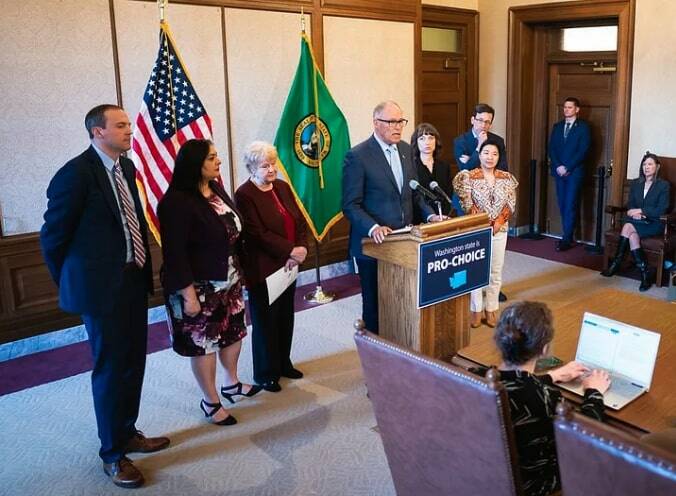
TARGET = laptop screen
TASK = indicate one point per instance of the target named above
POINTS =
(618, 348)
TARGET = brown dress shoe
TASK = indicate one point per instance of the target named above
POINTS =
(476, 319)
(123, 473)
(141, 444)
(491, 319)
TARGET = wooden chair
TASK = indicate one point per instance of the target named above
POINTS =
(597, 460)
(657, 248)
(444, 430)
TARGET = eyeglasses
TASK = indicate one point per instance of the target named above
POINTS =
(483, 121)
(267, 166)
(394, 123)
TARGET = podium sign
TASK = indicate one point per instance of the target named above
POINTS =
(453, 266)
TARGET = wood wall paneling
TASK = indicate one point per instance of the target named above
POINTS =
(29, 300)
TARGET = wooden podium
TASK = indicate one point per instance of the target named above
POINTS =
(439, 330)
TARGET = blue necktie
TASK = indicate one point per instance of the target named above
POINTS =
(566, 130)
(395, 163)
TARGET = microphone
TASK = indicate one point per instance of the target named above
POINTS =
(415, 185)
(434, 186)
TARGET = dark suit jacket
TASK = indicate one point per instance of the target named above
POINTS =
(655, 203)
(371, 195)
(83, 239)
(573, 150)
(195, 244)
(266, 247)
(466, 144)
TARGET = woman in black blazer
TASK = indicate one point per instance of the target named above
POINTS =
(648, 200)
(200, 229)
(274, 237)
(425, 148)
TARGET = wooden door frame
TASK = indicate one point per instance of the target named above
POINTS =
(464, 19)
(524, 118)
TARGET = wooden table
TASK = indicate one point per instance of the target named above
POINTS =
(651, 412)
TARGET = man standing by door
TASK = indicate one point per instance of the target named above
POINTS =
(568, 147)
(377, 197)
(95, 244)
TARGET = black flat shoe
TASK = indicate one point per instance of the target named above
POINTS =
(214, 407)
(238, 391)
(563, 245)
(292, 373)
(502, 297)
(272, 386)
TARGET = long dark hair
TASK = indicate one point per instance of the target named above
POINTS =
(188, 166)
(422, 129)
(648, 155)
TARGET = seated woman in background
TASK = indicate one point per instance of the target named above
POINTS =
(200, 230)
(425, 149)
(487, 189)
(274, 237)
(648, 199)
(523, 334)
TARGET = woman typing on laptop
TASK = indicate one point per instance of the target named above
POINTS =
(523, 335)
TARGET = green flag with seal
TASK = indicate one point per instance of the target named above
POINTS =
(311, 141)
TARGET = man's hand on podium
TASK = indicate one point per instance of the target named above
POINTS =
(437, 218)
(379, 233)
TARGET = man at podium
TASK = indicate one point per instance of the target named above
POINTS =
(377, 197)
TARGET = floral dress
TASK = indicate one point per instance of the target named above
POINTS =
(220, 322)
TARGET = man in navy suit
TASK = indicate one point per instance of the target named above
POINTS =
(466, 146)
(377, 197)
(95, 244)
(568, 147)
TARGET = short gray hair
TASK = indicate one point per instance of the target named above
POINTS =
(381, 106)
(257, 152)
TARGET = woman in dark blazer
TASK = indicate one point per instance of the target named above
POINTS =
(425, 149)
(201, 276)
(648, 200)
(274, 237)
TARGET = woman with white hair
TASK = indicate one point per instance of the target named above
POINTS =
(274, 237)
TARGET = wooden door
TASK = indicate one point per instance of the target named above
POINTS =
(448, 84)
(596, 91)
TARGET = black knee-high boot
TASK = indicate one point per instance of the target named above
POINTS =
(642, 264)
(616, 262)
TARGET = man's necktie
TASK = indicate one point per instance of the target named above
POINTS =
(130, 215)
(566, 130)
(395, 163)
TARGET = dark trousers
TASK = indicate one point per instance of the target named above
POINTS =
(272, 332)
(568, 198)
(368, 277)
(118, 342)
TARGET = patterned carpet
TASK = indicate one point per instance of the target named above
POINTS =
(315, 437)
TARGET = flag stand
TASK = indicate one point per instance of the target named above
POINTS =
(318, 296)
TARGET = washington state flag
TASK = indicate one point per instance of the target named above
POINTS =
(312, 140)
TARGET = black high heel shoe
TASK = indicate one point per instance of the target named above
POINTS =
(238, 391)
(214, 407)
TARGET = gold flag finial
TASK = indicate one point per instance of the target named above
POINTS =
(162, 5)
(302, 19)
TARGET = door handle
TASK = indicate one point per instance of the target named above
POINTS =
(609, 169)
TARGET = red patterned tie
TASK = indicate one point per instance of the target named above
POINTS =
(130, 215)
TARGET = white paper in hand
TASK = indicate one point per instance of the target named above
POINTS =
(277, 282)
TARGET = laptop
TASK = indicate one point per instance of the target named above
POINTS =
(626, 352)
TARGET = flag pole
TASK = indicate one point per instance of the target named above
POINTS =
(318, 296)
(162, 5)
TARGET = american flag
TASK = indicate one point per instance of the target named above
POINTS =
(171, 113)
